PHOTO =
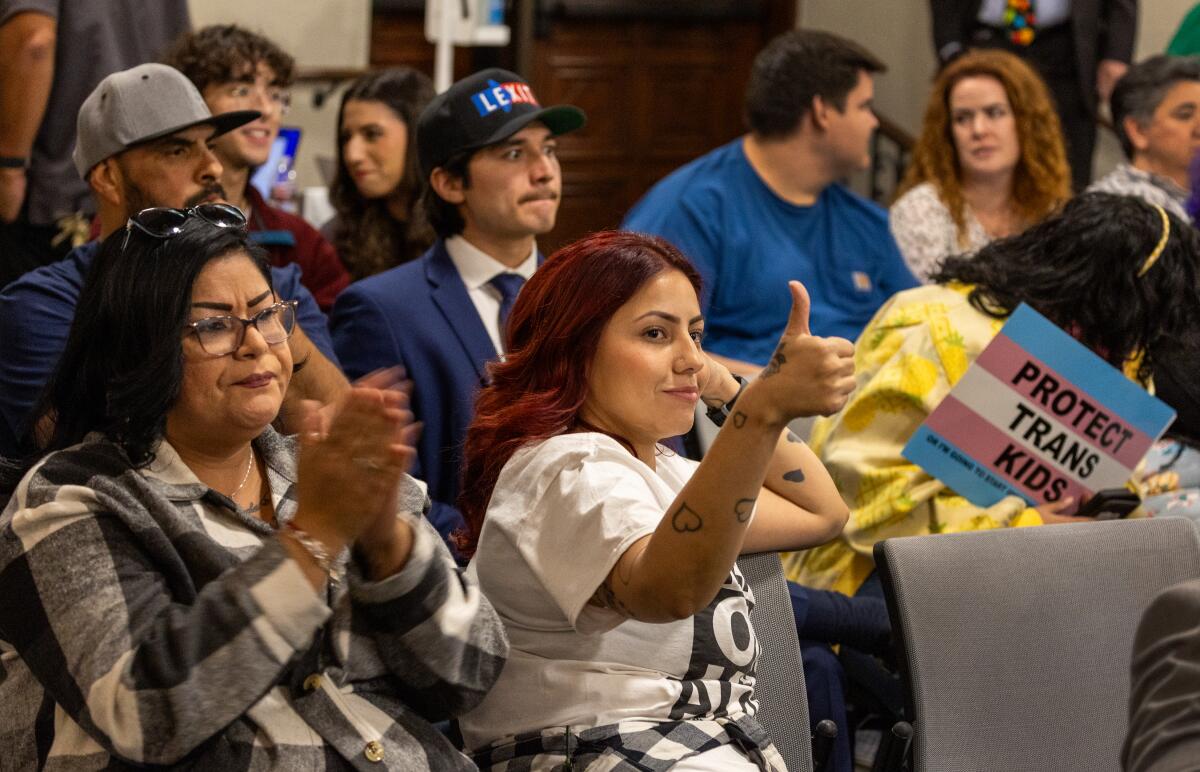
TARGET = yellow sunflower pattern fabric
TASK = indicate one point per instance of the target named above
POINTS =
(907, 359)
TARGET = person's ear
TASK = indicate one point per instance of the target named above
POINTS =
(107, 182)
(1137, 135)
(449, 186)
(819, 113)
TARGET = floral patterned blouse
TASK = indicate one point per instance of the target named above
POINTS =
(925, 232)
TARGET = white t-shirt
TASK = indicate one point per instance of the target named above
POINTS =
(562, 513)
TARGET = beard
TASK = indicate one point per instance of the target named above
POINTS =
(137, 199)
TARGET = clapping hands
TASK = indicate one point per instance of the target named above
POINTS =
(353, 455)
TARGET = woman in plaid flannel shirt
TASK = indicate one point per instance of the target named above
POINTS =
(171, 568)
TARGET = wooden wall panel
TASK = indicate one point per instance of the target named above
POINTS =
(658, 92)
(657, 95)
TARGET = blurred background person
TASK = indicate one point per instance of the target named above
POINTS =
(989, 161)
(174, 565)
(54, 54)
(1079, 47)
(235, 69)
(381, 220)
(770, 205)
(1156, 114)
(1186, 40)
(1118, 274)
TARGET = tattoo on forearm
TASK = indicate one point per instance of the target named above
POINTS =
(604, 597)
(794, 476)
(686, 519)
(743, 509)
(739, 419)
(777, 360)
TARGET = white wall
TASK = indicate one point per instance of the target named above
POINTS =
(900, 33)
(319, 33)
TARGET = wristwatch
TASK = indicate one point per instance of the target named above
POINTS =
(719, 413)
(13, 162)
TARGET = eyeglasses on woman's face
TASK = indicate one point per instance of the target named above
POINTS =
(221, 335)
(164, 222)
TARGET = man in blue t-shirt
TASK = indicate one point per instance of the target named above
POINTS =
(766, 207)
(143, 140)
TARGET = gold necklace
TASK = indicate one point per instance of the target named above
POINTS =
(245, 477)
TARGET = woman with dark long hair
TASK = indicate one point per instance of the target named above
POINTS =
(1118, 274)
(989, 163)
(377, 192)
(171, 565)
(610, 559)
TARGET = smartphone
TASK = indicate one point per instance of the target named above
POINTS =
(1110, 504)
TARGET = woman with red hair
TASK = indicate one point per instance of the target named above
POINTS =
(612, 560)
(989, 163)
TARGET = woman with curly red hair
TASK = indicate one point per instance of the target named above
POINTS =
(989, 162)
(612, 560)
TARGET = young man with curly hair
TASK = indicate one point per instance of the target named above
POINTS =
(235, 69)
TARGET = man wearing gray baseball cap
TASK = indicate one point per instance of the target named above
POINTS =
(142, 141)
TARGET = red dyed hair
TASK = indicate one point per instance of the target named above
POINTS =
(553, 332)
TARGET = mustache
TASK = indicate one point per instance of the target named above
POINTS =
(209, 190)
(541, 195)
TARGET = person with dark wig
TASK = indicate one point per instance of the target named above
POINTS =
(1118, 274)
(609, 558)
(172, 566)
(377, 192)
(989, 162)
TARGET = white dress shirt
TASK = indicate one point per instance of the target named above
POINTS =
(477, 268)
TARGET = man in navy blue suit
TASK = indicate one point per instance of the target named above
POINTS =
(488, 150)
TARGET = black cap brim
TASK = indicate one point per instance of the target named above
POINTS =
(222, 124)
(560, 119)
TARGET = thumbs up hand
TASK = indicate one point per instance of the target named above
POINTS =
(807, 375)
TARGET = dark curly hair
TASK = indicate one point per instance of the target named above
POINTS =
(367, 237)
(221, 53)
(1079, 268)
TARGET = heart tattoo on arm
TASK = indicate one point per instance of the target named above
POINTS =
(686, 519)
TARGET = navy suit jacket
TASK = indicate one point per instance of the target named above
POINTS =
(419, 315)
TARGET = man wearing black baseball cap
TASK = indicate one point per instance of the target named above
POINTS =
(142, 141)
(488, 150)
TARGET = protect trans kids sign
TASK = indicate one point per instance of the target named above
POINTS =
(1038, 415)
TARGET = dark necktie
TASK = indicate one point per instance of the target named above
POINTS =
(508, 285)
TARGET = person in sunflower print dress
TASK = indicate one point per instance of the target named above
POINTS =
(1117, 273)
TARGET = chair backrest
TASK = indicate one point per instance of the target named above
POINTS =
(782, 704)
(1016, 642)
